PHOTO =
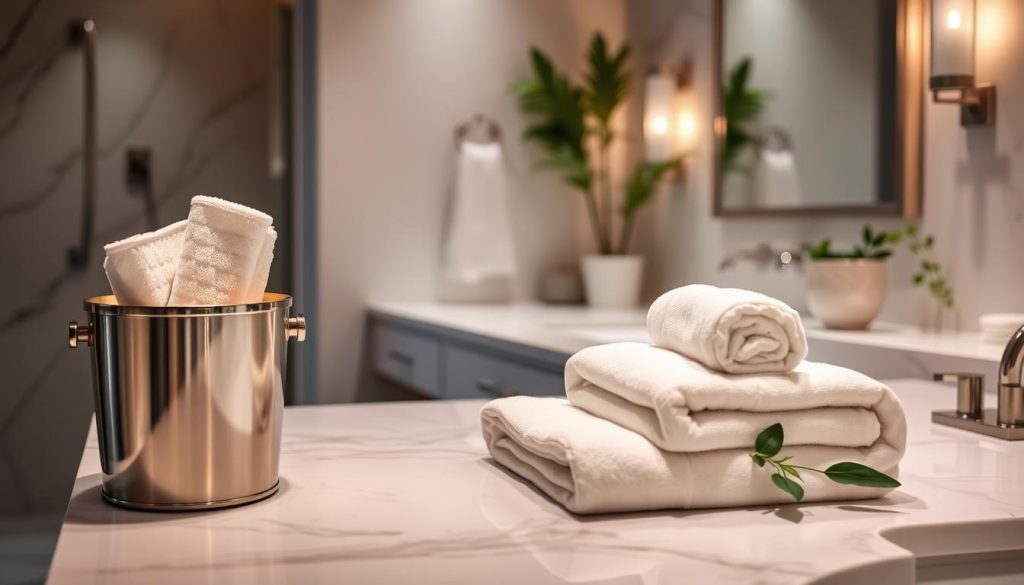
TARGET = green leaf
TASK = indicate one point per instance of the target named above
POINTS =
(642, 183)
(851, 473)
(929, 241)
(912, 230)
(791, 471)
(607, 83)
(866, 235)
(757, 459)
(918, 279)
(769, 441)
(789, 486)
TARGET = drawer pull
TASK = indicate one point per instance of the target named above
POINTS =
(492, 388)
(400, 356)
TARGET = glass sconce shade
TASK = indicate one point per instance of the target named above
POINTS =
(660, 117)
(952, 43)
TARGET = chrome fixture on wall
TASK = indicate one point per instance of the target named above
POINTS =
(83, 33)
(952, 73)
(764, 255)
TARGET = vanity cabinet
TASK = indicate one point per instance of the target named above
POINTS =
(437, 362)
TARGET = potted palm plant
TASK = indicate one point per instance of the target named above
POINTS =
(572, 123)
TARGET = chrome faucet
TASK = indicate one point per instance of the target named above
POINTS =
(1006, 421)
(763, 254)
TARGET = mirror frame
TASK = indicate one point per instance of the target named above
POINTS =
(910, 20)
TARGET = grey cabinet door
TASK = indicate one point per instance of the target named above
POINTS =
(408, 358)
(469, 373)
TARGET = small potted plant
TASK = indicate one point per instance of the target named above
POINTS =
(572, 123)
(846, 290)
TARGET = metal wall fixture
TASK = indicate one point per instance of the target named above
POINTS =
(952, 72)
(477, 124)
(83, 33)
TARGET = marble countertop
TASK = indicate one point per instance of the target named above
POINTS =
(569, 328)
(405, 492)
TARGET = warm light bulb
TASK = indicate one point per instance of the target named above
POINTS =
(659, 125)
(953, 19)
(687, 127)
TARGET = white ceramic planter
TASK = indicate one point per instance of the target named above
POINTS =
(846, 293)
(612, 281)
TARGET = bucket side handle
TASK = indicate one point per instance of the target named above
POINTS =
(80, 334)
(295, 327)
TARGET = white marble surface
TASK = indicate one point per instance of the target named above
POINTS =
(404, 492)
(568, 329)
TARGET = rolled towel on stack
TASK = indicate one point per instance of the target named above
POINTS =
(728, 329)
(141, 268)
(681, 405)
(220, 254)
(591, 465)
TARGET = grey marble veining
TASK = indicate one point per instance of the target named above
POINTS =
(405, 492)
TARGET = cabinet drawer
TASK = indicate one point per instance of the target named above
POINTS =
(473, 374)
(407, 358)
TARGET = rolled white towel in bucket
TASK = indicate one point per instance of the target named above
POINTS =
(261, 275)
(219, 257)
(141, 268)
(728, 329)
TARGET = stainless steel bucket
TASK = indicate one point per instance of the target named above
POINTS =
(188, 399)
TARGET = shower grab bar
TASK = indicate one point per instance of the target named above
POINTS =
(83, 32)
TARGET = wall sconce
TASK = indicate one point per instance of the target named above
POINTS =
(670, 117)
(952, 75)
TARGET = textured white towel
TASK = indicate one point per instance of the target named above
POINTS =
(479, 243)
(728, 329)
(141, 268)
(591, 465)
(681, 405)
(219, 257)
(262, 273)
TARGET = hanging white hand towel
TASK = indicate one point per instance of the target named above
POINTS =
(479, 243)
(591, 465)
(728, 329)
(776, 180)
(141, 268)
(223, 242)
(681, 405)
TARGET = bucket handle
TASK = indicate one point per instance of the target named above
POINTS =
(295, 327)
(79, 334)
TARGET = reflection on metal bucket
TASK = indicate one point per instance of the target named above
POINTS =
(188, 400)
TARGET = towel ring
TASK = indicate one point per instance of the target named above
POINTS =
(775, 139)
(463, 129)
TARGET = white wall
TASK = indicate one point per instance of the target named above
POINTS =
(973, 191)
(395, 77)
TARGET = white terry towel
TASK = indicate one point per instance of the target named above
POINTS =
(591, 465)
(261, 275)
(479, 243)
(681, 405)
(728, 329)
(141, 268)
(219, 257)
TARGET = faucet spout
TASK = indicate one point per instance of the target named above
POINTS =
(1011, 393)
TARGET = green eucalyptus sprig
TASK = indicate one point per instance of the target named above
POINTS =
(767, 446)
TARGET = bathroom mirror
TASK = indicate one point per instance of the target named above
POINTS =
(818, 108)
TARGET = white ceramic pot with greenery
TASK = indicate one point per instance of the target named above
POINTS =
(572, 123)
(846, 290)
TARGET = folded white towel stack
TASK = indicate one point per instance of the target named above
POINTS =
(648, 427)
(141, 268)
(680, 405)
(591, 465)
(220, 254)
(728, 329)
